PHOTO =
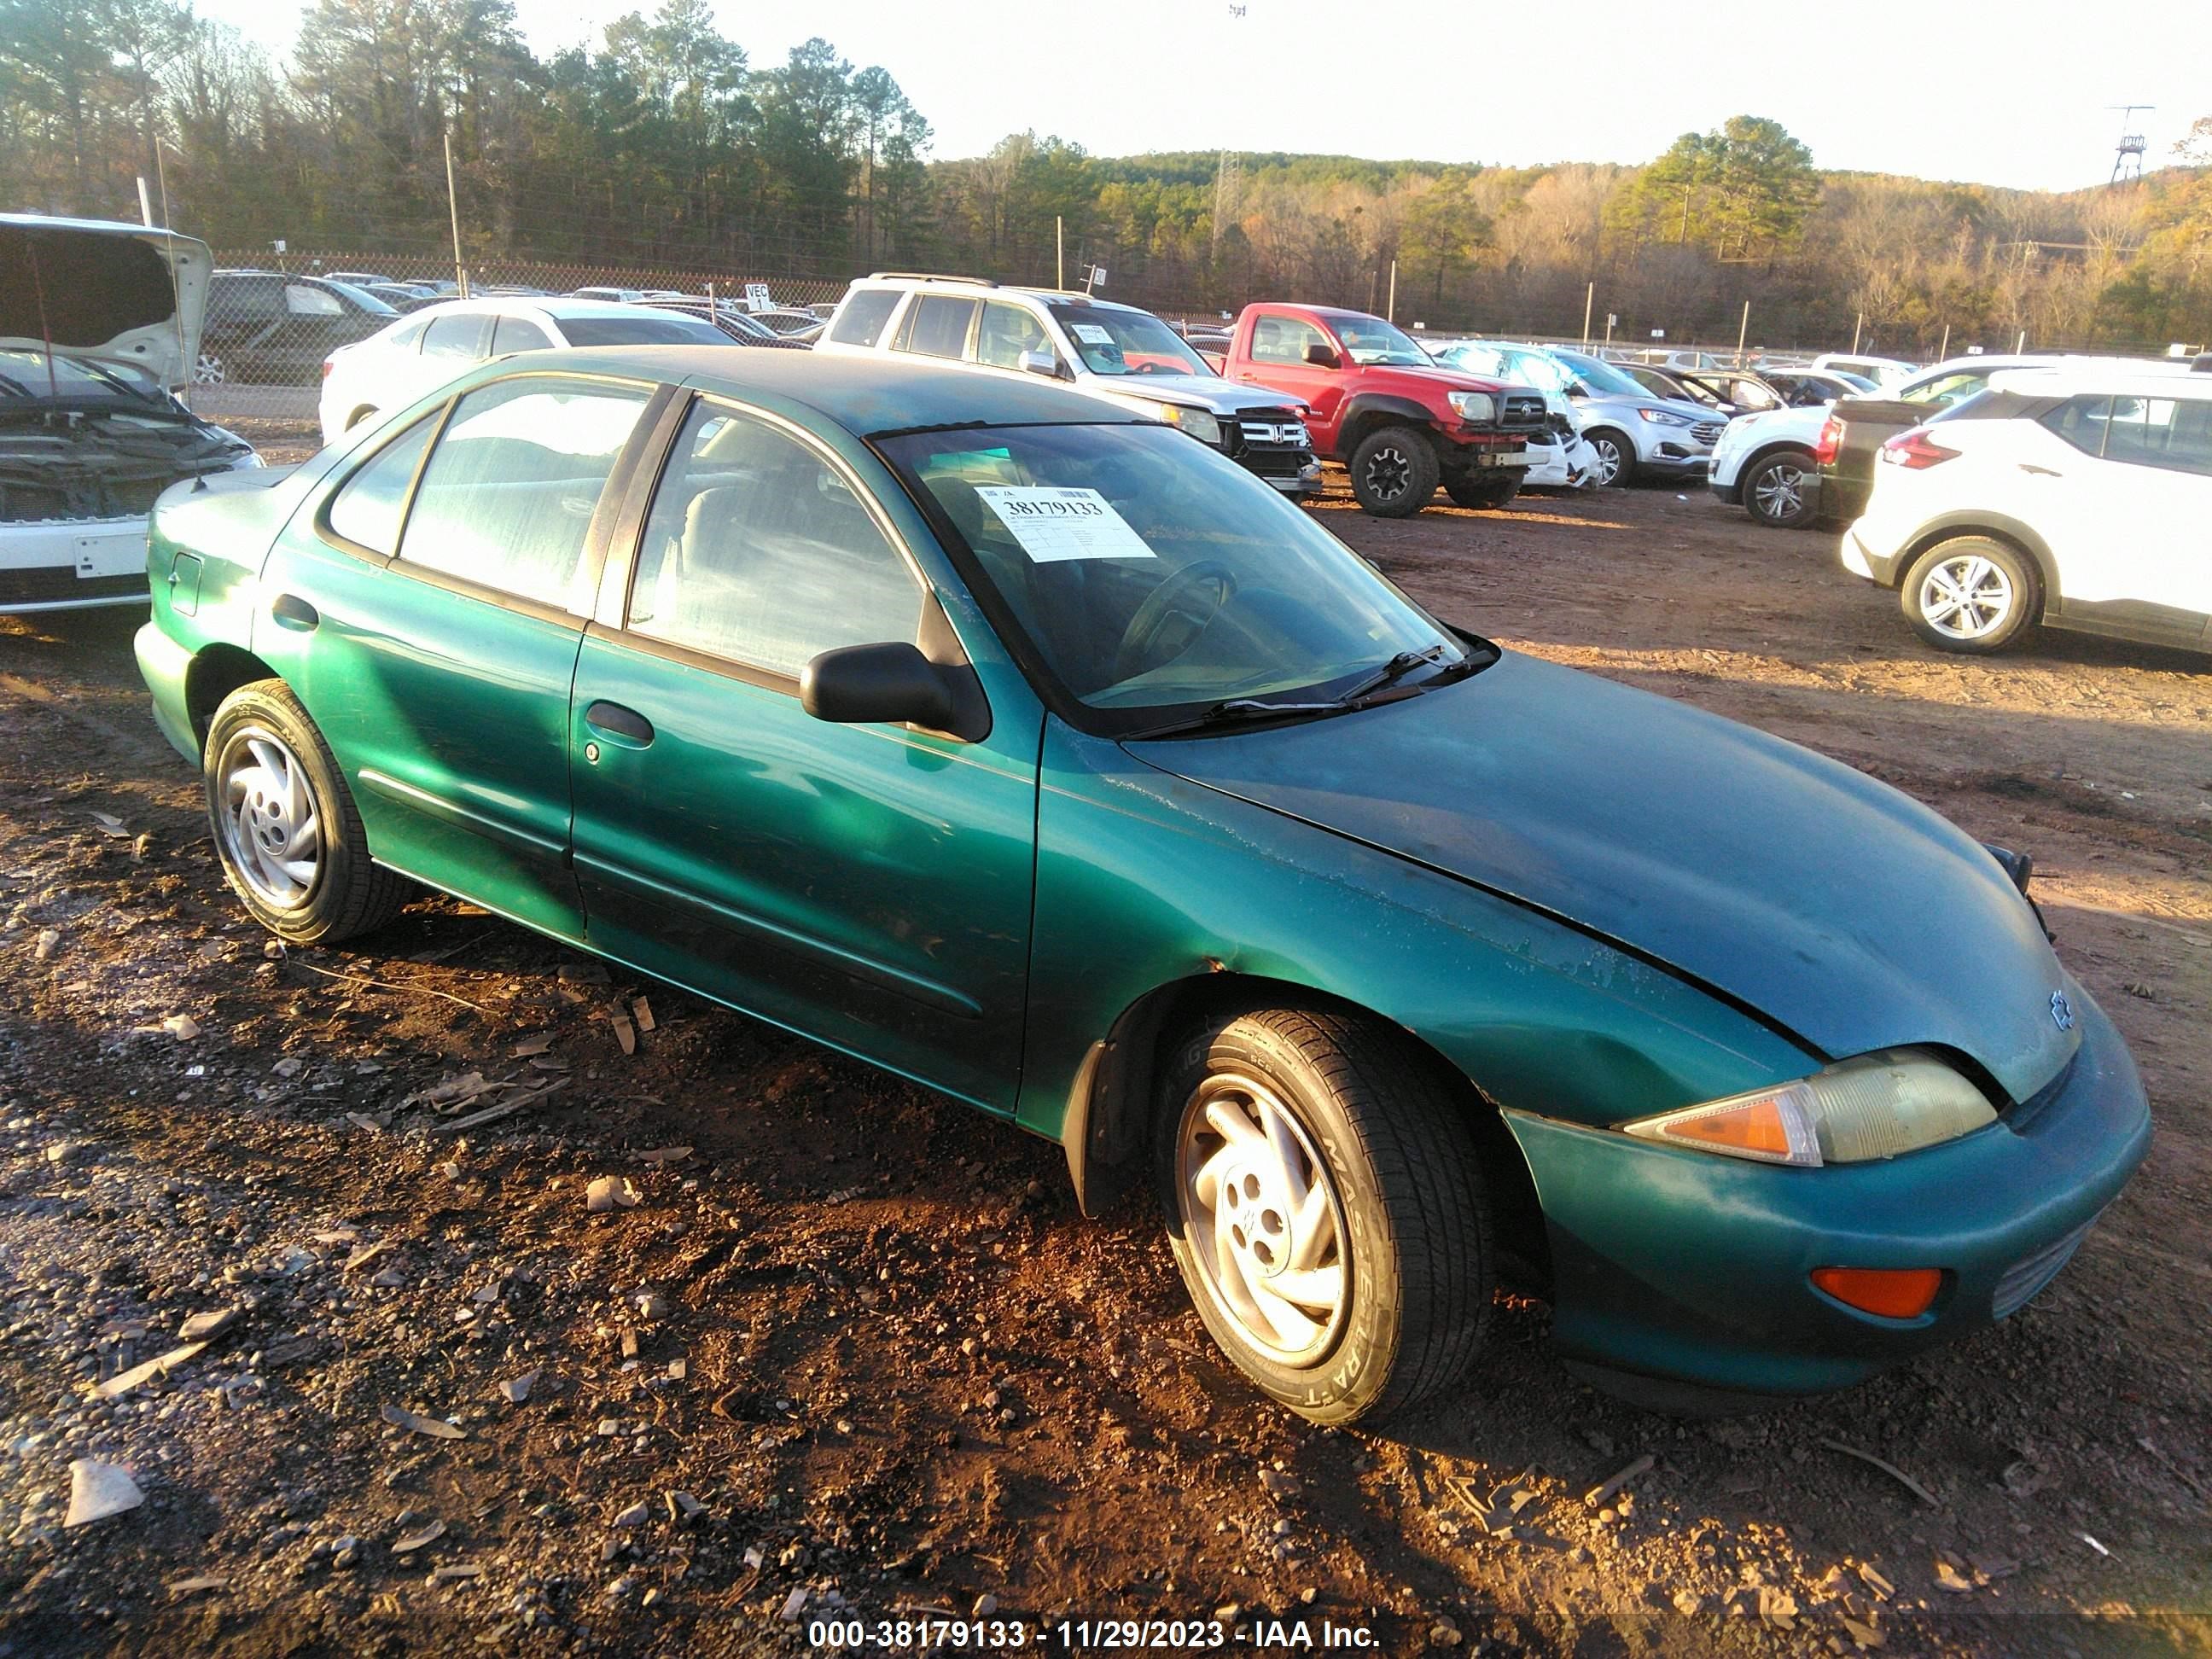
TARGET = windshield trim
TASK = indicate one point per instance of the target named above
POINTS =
(1128, 723)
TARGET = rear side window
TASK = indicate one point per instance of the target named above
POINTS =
(409, 338)
(1950, 389)
(456, 335)
(938, 325)
(861, 319)
(517, 334)
(302, 299)
(367, 509)
(758, 551)
(509, 492)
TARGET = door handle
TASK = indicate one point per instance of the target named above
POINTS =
(2040, 472)
(295, 613)
(619, 724)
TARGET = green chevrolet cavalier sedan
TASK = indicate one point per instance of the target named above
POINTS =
(1044, 757)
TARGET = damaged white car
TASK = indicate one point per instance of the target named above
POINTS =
(1562, 458)
(98, 321)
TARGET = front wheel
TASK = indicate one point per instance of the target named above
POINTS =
(1485, 493)
(1327, 1211)
(286, 827)
(1774, 492)
(1393, 472)
(209, 370)
(1616, 456)
(1971, 593)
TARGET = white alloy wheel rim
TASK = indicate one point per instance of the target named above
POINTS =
(272, 833)
(1965, 598)
(1263, 1219)
(1608, 459)
(1780, 491)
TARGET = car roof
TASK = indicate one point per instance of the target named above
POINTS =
(971, 286)
(2145, 377)
(865, 394)
(557, 307)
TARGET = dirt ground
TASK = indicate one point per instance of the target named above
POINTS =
(854, 1352)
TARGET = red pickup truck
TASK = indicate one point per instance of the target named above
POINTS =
(1401, 424)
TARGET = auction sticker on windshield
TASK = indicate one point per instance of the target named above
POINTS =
(1093, 334)
(1054, 524)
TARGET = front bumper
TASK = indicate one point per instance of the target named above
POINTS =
(72, 564)
(1731, 492)
(1683, 1276)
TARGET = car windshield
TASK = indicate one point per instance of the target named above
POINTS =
(641, 331)
(1600, 376)
(27, 374)
(1127, 342)
(1370, 340)
(1152, 573)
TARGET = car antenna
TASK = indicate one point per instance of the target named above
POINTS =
(45, 328)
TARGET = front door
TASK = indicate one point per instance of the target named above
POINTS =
(867, 886)
(1278, 352)
(439, 676)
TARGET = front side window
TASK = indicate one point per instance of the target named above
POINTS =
(368, 507)
(938, 326)
(861, 319)
(1285, 339)
(1114, 342)
(2172, 433)
(1149, 573)
(758, 551)
(507, 497)
(1007, 333)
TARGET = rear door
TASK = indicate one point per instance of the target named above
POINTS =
(429, 619)
(867, 886)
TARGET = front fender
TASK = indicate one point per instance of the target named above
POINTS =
(1146, 880)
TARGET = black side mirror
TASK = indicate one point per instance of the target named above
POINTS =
(1322, 357)
(863, 684)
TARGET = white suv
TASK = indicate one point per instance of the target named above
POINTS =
(1127, 356)
(2078, 496)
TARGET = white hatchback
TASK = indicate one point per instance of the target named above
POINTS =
(420, 353)
(2079, 496)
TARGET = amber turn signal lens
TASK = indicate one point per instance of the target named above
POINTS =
(1892, 1292)
(1756, 1126)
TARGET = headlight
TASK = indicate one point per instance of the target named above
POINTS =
(1874, 1106)
(1196, 422)
(1666, 417)
(1474, 405)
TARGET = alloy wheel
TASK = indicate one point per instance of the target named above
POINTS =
(1390, 473)
(1965, 598)
(1265, 1223)
(1608, 461)
(1780, 493)
(272, 833)
(209, 370)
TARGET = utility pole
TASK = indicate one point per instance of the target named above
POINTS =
(2020, 346)
(453, 204)
(145, 206)
(1943, 351)
(162, 172)
(1857, 328)
(1742, 331)
(1059, 252)
(1390, 310)
(1590, 299)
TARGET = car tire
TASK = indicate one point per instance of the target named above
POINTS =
(209, 370)
(1971, 593)
(1616, 456)
(1331, 1105)
(1393, 472)
(285, 825)
(1484, 493)
(1773, 489)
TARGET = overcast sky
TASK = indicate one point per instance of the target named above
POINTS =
(2003, 92)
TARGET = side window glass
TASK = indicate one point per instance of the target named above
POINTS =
(1951, 389)
(512, 334)
(938, 326)
(2162, 432)
(301, 300)
(509, 492)
(458, 335)
(2081, 422)
(758, 551)
(1008, 332)
(1283, 339)
(860, 320)
(367, 509)
(410, 338)
(2190, 447)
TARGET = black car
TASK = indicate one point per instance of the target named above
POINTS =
(270, 328)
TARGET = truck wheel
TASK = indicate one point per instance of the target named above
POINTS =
(1393, 472)
(1616, 456)
(1325, 1205)
(1484, 493)
(285, 826)
(1971, 593)
(1773, 489)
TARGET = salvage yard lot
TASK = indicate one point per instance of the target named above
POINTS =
(866, 1335)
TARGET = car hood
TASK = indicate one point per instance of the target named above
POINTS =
(1835, 907)
(120, 293)
(1619, 405)
(1206, 391)
(1386, 377)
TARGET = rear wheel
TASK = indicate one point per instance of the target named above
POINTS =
(1616, 456)
(1485, 492)
(1774, 490)
(1971, 593)
(285, 825)
(209, 370)
(1393, 472)
(1327, 1211)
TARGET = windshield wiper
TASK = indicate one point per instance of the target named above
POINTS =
(1390, 673)
(1236, 711)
